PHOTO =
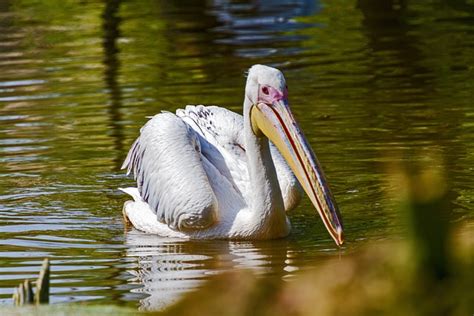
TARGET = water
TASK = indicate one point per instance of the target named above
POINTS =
(372, 83)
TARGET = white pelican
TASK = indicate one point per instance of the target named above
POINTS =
(206, 172)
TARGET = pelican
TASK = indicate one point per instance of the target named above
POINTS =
(209, 173)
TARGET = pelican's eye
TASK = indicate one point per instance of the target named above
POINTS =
(265, 90)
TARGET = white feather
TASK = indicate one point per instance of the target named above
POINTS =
(193, 178)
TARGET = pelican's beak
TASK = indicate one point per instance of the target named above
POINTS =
(277, 123)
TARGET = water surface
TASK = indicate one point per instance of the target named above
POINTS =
(371, 82)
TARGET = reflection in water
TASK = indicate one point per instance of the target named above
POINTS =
(268, 15)
(258, 23)
(394, 45)
(167, 268)
(399, 64)
(112, 65)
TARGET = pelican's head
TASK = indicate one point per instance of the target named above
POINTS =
(267, 105)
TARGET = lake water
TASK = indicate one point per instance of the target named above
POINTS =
(372, 83)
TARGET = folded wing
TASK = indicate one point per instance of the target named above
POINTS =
(166, 162)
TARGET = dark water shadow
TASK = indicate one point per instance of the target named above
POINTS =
(110, 25)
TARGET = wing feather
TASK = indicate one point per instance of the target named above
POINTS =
(170, 177)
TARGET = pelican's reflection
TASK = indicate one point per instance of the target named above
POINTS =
(167, 268)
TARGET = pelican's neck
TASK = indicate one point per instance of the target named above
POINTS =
(266, 200)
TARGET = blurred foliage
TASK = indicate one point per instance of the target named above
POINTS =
(388, 278)
(430, 272)
(378, 280)
(67, 310)
(384, 278)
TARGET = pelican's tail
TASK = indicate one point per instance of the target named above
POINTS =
(133, 192)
